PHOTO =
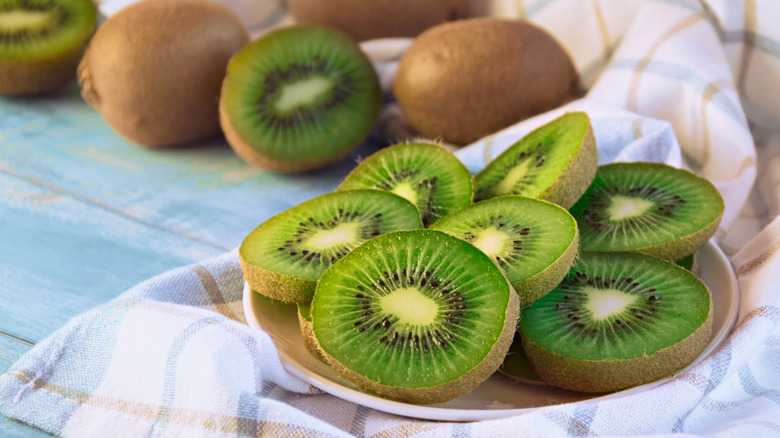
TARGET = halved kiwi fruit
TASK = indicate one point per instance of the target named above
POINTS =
(617, 320)
(307, 331)
(299, 98)
(416, 316)
(285, 255)
(41, 43)
(648, 207)
(556, 163)
(533, 242)
(427, 175)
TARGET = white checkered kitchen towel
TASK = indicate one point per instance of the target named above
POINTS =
(173, 356)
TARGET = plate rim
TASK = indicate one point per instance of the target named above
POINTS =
(456, 414)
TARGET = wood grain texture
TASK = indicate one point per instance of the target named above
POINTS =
(85, 215)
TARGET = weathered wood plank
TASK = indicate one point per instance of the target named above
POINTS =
(201, 190)
(61, 257)
(10, 350)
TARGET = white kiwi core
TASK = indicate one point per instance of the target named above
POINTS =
(19, 20)
(406, 191)
(623, 207)
(302, 93)
(409, 306)
(490, 241)
(602, 303)
(337, 236)
(512, 178)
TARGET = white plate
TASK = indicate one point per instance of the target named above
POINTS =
(497, 397)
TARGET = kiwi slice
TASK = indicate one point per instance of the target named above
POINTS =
(41, 43)
(285, 255)
(533, 242)
(307, 331)
(416, 316)
(299, 98)
(648, 207)
(428, 175)
(556, 163)
(617, 320)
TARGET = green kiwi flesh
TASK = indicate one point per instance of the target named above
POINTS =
(415, 316)
(556, 163)
(617, 320)
(427, 175)
(533, 242)
(648, 207)
(284, 256)
(299, 98)
(41, 42)
(516, 365)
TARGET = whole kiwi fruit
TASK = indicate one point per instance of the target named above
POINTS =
(154, 69)
(365, 20)
(463, 80)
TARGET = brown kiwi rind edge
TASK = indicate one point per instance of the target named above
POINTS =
(685, 246)
(614, 375)
(278, 286)
(572, 183)
(28, 77)
(539, 285)
(450, 390)
(249, 154)
(309, 340)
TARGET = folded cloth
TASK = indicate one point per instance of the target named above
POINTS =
(689, 83)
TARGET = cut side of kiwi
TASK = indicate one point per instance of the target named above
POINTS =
(617, 320)
(648, 207)
(416, 316)
(427, 175)
(556, 163)
(41, 42)
(533, 242)
(284, 256)
(299, 98)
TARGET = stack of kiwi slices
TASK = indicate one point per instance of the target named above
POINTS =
(299, 98)
(41, 43)
(412, 291)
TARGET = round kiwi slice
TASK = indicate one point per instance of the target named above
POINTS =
(299, 98)
(307, 331)
(427, 175)
(416, 316)
(284, 256)
(41, 43)
(556, 163)
(617, 320)
(533, 242)
(648, 207)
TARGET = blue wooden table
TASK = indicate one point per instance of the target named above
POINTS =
(85, 215)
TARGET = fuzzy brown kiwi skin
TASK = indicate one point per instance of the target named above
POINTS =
(278, 286)
(363, 20)
(178, 51)
(256, 159)
(309, 340)
(463, 80)
(534, 288)
(450, 390)
(608, 376)
(577, 176)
